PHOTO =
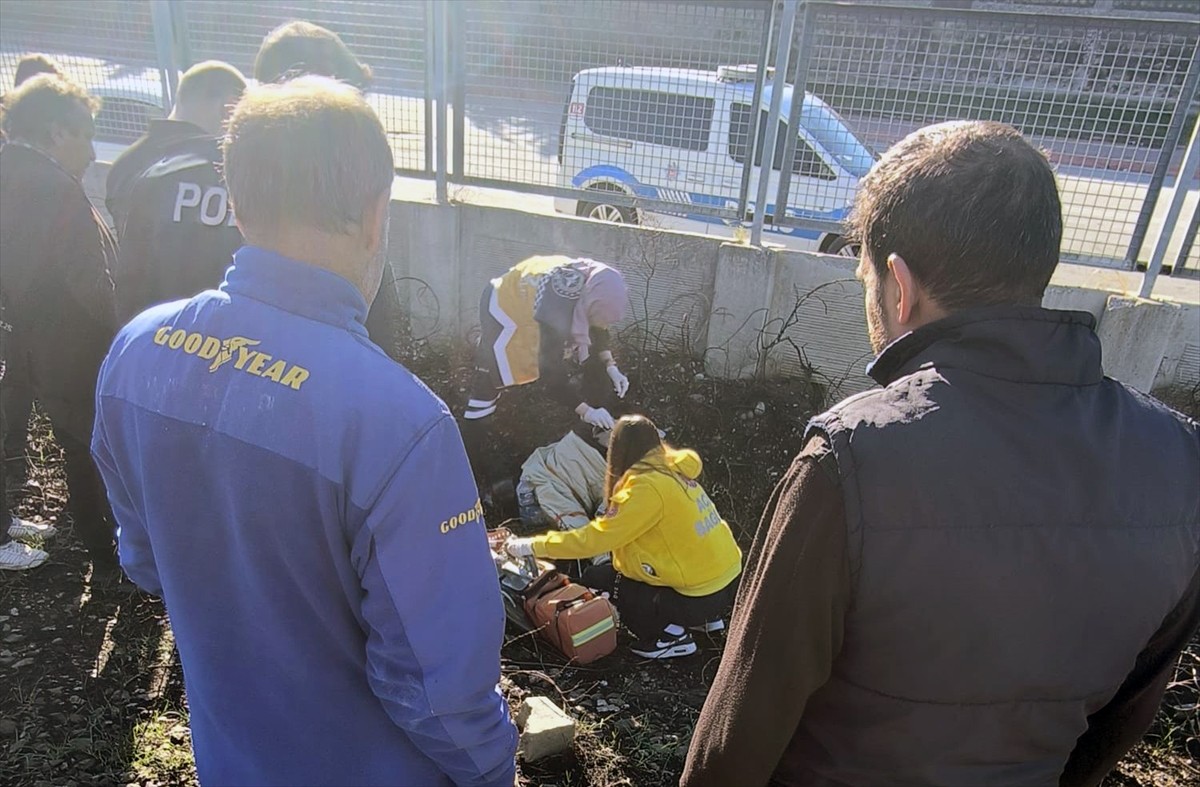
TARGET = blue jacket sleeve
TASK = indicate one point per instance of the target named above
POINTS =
(133, 541)
(434, 614)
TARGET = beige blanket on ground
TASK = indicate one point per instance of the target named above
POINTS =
(568, 478)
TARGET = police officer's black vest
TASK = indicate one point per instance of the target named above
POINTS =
(1019, 526)
(180, 234)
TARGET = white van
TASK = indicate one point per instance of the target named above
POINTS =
(681, 136)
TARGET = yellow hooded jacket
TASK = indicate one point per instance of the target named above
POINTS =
(661, 528)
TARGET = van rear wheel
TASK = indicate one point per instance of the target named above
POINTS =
(604, 211)
(841, 246)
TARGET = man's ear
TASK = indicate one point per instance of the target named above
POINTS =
(908, 291)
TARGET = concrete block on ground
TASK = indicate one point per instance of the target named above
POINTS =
(1134, 334)
(545, 728)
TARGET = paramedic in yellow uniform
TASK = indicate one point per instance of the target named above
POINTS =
(539, 322)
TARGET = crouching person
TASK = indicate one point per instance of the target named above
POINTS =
(675, 562)
(302, 503)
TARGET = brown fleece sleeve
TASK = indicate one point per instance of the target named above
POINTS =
(786, 629)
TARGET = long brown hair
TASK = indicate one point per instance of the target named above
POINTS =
(633, 438)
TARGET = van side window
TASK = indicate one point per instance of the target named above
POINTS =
(808, 162)
(668, 119)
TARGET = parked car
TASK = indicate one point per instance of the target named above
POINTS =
(128, 104)
(682, 136)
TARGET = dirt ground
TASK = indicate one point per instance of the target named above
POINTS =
(92, 691)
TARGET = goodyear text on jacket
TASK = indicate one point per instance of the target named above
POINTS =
(236, 350)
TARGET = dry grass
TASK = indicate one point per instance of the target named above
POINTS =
(92, 690)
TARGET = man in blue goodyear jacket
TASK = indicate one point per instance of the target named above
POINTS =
(302, 503)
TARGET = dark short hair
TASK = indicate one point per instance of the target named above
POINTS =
(972, 208)
(211, 80)
(309, 151)
(43, 101)
(297, 48)
(32, 65)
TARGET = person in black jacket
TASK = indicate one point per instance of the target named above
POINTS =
(206, 94)
(17, 398)
(174, 221)
(297, 48)
(55, 286)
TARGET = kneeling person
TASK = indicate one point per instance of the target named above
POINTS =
(675, 562)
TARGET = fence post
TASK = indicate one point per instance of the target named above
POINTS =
(1187, 171)
(1189, 238)
(164, 47)
(439, 96)
(430, 55)
(783, 51)
(1174, 133)
(456, 52)
(760, 78)
(793, 120)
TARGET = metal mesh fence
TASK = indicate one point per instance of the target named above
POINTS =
(657, 110)
(106, 45)
(390, 37)
(1098, 95)
(603, 100)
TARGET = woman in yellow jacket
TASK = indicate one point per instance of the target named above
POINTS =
(674, 560)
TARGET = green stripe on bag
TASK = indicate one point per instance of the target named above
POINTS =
(592, 631)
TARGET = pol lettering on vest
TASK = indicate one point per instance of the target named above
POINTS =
(235, 349)
(212, 205)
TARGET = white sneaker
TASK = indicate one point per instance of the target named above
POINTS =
(20, 528)
(667, 645)
(15, 556)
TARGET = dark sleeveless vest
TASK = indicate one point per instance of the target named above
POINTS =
(1018, 527)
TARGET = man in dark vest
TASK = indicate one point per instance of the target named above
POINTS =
(974, 575)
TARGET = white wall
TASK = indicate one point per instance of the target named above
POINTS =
(747, 309)
(735, 304)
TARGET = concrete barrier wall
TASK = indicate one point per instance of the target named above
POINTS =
(455, 250)
(746, 310)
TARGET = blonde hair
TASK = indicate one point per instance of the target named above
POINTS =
(212, 80)
(43, 101)
(310, 152)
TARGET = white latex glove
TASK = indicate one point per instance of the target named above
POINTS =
(620, 381)
(519, 547)
(598, 417)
